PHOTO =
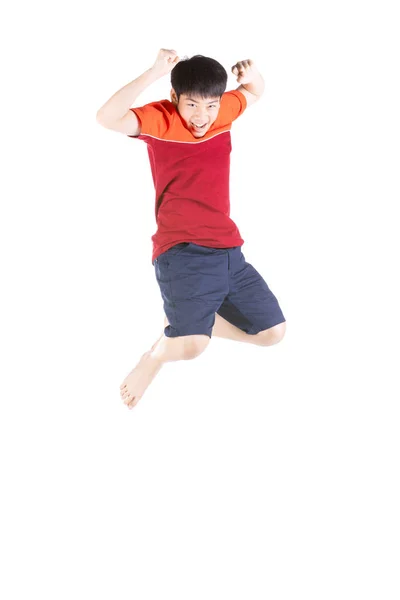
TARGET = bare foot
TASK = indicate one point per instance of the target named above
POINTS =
(139, 379)
(136, 383)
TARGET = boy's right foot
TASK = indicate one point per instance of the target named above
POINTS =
(138, 380)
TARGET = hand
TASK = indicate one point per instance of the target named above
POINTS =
(245, 71)
(165, 62)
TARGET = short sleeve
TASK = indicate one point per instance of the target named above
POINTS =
(154, 118)
(233, 104)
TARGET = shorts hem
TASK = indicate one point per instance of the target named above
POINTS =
(255, 330)
(185, 333)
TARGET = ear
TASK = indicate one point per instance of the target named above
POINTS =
(174, 97)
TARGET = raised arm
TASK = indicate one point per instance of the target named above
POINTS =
(115, 113)
(251, 83)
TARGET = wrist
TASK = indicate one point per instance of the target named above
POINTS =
(156, 73)
(255, 86)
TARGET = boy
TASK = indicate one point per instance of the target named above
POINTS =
(206, 284)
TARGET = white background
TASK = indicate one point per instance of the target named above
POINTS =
(247, 473)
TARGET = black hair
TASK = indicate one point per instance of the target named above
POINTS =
(200, 76)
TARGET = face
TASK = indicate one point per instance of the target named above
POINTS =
(198, 113)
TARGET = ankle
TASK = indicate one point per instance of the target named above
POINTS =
(156, 357)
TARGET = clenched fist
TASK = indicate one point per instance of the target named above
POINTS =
(165, 62)
(245, 71)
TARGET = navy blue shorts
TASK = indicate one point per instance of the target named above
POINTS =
(196, 282)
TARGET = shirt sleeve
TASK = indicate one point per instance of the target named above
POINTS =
(154, 119)
(233, 104)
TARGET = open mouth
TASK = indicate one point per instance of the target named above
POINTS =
(198, 127)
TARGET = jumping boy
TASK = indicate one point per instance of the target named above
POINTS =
(206, 284)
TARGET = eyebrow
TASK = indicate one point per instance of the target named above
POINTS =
(197, 102)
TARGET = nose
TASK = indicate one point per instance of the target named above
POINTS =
(200, 114)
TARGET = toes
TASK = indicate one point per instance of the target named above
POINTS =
(129, 400)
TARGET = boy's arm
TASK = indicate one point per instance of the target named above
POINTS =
(115, 113)
(251, 83)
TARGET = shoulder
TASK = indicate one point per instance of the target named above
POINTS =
(155, 118)
(233, 104)
(234, 98)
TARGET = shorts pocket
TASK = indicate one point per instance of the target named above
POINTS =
(177, 249)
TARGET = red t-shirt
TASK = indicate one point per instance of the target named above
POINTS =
(191, 175)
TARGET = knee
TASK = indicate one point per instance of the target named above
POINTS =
(273, 335)
(194, 345)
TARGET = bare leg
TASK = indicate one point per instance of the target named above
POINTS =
(224, 329)
(164, 350)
